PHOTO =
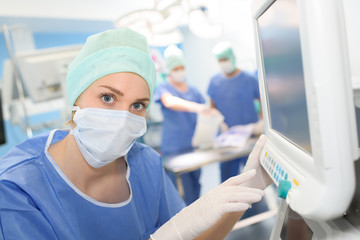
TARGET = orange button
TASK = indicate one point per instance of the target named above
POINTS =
(296, 182)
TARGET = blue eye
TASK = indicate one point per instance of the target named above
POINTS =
(108, 98)
(138, 106)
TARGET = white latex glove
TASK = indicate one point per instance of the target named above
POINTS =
(207, 111)
(212, 112)
(200, 108)
(262, 179)
(259, 127)
(224, 127)
(196, 218)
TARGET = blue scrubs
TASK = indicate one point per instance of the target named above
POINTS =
(177, 132)
(234, 98)
(37, 201)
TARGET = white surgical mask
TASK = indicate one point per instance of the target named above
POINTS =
(104, 135)
(178, 76)
(227, 67)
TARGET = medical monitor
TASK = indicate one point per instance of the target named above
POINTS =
(307, 104)
(43, 71)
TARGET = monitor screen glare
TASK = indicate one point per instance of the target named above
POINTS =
(283, 73)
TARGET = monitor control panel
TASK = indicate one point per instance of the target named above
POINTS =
(279, 173)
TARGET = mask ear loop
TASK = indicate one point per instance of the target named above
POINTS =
(74, 109)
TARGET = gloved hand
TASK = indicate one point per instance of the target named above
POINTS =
(258, 127)
(223, 127)
(200, 107)
(194, 219)
(207, 110)
(262, 179)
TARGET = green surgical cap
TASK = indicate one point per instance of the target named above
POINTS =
(223, 50)
(112, 51)
(174, 57)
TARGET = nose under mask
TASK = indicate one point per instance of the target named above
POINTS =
(104, 135)
(178, 76)
(227, 67)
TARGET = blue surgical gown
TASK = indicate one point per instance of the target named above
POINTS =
(178, 126)
(37, 201)
(234, 98)
(177, 132)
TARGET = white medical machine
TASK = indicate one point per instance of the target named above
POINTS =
(44, 71)
(307, 102)
(42, 74)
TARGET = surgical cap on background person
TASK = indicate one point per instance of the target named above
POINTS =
(112, 51)
(223, 50)
(174, 57)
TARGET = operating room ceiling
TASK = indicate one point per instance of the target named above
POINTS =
(67, 15)
(85, 15)
(158, 20)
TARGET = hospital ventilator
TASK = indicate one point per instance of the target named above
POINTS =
(320, 168)
(306, 95)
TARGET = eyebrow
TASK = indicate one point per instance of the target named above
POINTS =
(121, 94)
(113, 89)
(143, 100)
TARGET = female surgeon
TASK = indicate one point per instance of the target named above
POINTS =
(94, 181)
(179, 104)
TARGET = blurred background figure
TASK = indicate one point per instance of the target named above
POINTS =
(233, 92)
(179, 104)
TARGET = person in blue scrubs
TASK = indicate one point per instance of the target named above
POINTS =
(179, 104)
(93, 181)
(233, 92)
(67, 185)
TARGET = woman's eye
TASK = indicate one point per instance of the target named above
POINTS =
(138, 106)
(107, 98)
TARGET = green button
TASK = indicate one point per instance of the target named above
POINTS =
(283, 189)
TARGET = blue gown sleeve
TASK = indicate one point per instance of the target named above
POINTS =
(201, 98)
(19, 216)
(210, 89)
(197, 96)
(160, 90)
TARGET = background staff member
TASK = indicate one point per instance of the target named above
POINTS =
(179, 104)
(233, 92)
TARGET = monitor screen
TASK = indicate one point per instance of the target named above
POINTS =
(283, 73)
(43, 71)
